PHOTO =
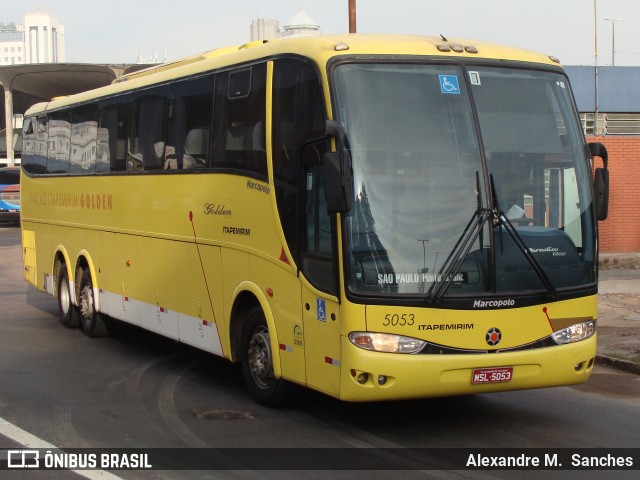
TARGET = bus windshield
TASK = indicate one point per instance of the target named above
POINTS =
(473, 176)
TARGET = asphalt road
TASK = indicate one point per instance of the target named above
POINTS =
(139, 390)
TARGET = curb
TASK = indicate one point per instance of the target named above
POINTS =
(624, 365)
(617, 261)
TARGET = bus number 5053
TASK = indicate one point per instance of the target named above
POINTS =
(395, 320)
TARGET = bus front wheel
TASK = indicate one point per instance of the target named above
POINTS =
(91, 321)
(67, 311)
(257, 363)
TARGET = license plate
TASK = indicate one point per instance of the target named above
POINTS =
(491, 375)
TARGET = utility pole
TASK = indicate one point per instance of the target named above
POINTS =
(352, 16)
(595, 34)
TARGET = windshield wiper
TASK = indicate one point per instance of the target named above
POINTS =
(461, 249)
(501, 220)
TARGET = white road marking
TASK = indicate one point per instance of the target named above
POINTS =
(29, 440)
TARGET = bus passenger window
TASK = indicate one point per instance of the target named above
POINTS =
(34, 148)
(59, 142)
(147, 130)
(84, 139)
(239, 131)
(190, 111)
(113, 127)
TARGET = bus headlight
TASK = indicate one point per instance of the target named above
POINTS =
(385, 342)
(575, 333)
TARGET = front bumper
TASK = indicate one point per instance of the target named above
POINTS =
(400, 376)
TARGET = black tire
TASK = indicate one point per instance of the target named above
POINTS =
(257, 364)
(91, 321)
(67, 311)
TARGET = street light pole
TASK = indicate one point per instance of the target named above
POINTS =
(613, 38)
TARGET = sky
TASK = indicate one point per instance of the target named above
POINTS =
(117, 31)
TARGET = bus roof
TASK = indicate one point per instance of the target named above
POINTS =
(320, 48)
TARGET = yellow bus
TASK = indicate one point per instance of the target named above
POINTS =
(372, 217)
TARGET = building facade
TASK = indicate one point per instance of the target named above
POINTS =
(620, 232)
(11, 44)
(40, 39)
(608, 100)
(269, 29)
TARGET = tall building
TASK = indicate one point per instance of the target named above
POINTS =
(269, 29)
(264, 29)
(40, 39)
(44, 38)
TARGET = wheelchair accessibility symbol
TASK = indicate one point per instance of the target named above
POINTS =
(321, 308)
(449, 84)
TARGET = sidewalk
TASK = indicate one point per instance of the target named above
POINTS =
(619, 312)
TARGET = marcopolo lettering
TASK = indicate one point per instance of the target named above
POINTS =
(507, 302)
(257, 186)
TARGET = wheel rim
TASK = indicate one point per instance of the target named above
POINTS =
(65, 298)
(86, 303)
(260, 359)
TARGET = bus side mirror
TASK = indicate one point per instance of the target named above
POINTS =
(601, 181)
(338, 175)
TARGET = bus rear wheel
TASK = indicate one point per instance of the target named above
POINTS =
(67, 311)
(91, 321)
(257, 363)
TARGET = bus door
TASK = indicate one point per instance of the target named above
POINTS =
(320, 306)
(298, 145)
